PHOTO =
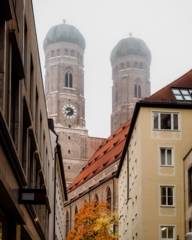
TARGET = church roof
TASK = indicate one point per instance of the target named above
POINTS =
(64, 33)
(130, 46)
(108, 152)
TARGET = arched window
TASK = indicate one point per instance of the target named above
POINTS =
(121, 65)
(139, 91)
(135, 90)
(52, 53)
(141, 65)
(76, 210)
(96, 199)
(109, 198)
(67, 223)
(68, 80)
(58, 52)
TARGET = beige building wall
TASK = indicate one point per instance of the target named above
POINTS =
(188, 193)
(141, 213)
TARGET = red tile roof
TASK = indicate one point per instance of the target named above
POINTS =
(107, 153)
(165, 94)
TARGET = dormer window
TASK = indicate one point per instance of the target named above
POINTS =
(68, 80)
(182, 94)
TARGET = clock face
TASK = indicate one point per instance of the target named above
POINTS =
(69, 111)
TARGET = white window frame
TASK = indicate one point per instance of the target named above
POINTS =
(167, 205)
(166, 161)
(182, 94)
(167, 225)
(159, 121)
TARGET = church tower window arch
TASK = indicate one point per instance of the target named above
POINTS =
(139, 91)
(135, 90)
(68, 79)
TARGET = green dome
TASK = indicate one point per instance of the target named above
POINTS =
(130, 46)
(64, 33)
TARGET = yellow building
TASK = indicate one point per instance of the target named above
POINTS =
(151, 171)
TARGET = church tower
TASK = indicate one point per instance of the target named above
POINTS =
(64, 49)
(130, 61)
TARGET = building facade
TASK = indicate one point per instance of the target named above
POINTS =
(130, 61)
(151, 172)
(58, 183)
(25, 144)
(188, 194)
(64, 49)
(97, 180)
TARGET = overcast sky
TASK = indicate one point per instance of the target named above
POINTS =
(165, 26)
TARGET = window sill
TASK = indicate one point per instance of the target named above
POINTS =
(69, 88)
(167, 166)
(166, 130)
(167, 206)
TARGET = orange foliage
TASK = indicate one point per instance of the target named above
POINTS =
(93, 222)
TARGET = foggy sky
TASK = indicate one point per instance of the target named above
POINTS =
(165, 26)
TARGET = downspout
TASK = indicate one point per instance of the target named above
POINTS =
(55, 178)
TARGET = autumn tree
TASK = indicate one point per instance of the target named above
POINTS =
(94, 221)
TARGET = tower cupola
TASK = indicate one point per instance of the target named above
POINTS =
(64, 33)
(130, 61)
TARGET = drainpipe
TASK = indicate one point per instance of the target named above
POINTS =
(55, 178)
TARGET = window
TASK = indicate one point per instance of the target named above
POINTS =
(167, 232)
(135, 91)
(121, 65)
(67, 223)
(165, 121)
(31, 84)
(182, 94)
(76, 210)
(109, 198)
(166, 157)
(25, 137)
(190, 185)
(139, 91)
(141, 65)
(190, 225)
(68, 80)
(167, 195)
(96, 199)
(58, 52)
(3, 226)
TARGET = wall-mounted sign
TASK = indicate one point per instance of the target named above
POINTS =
(32, 196)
